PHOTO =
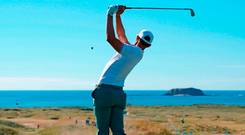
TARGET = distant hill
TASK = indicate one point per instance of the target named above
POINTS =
(185, 92)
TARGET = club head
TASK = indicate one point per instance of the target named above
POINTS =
(192, 12)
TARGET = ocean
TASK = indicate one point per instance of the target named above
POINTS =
(75, 98)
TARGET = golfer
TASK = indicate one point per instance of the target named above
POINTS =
(109, 97)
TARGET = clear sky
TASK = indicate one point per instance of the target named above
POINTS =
(45, 44)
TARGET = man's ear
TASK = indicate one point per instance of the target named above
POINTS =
(137, 38)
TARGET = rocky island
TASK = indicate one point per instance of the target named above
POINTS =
(185, 92)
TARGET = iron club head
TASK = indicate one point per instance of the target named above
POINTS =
(192, 12)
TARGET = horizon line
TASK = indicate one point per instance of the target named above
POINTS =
(124, 89)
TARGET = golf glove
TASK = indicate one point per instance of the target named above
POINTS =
(112, 10)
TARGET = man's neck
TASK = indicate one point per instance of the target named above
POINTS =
(140, 46)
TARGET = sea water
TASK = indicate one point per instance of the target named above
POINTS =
(82, 98)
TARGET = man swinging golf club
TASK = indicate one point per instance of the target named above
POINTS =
(109, 97)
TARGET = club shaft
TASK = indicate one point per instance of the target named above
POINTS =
(158, 8)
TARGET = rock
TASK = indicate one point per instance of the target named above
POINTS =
(185, 92)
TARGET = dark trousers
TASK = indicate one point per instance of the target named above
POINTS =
(109, 105)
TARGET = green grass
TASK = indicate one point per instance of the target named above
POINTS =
(157, 120)
(12, 128)
(8, 131)
(50, 131)
(12, 124)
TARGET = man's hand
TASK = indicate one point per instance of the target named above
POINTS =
(121, 9)
(112, 10)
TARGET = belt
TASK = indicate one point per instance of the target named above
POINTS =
(109, 86)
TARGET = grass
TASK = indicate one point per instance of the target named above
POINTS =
(161, 120)
(50, 131)
(13, 125)
(198, 119)
(12, 128)
(8, 131)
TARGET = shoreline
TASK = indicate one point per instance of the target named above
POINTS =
(129, 105)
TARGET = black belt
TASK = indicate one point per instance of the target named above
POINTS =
(106, 86)
(109, 86)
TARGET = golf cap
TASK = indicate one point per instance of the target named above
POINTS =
(146, 36)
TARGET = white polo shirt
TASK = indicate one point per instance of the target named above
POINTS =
(120, 65)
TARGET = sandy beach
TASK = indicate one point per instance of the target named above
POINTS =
(162, 120)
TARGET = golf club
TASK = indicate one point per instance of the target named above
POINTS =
(191, 10)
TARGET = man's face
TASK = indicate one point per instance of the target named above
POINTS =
(146, 45)
(143, 43)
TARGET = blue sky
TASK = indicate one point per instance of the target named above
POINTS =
(45, 44)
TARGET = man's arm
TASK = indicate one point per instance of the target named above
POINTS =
(119, 26)
(110, 34)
